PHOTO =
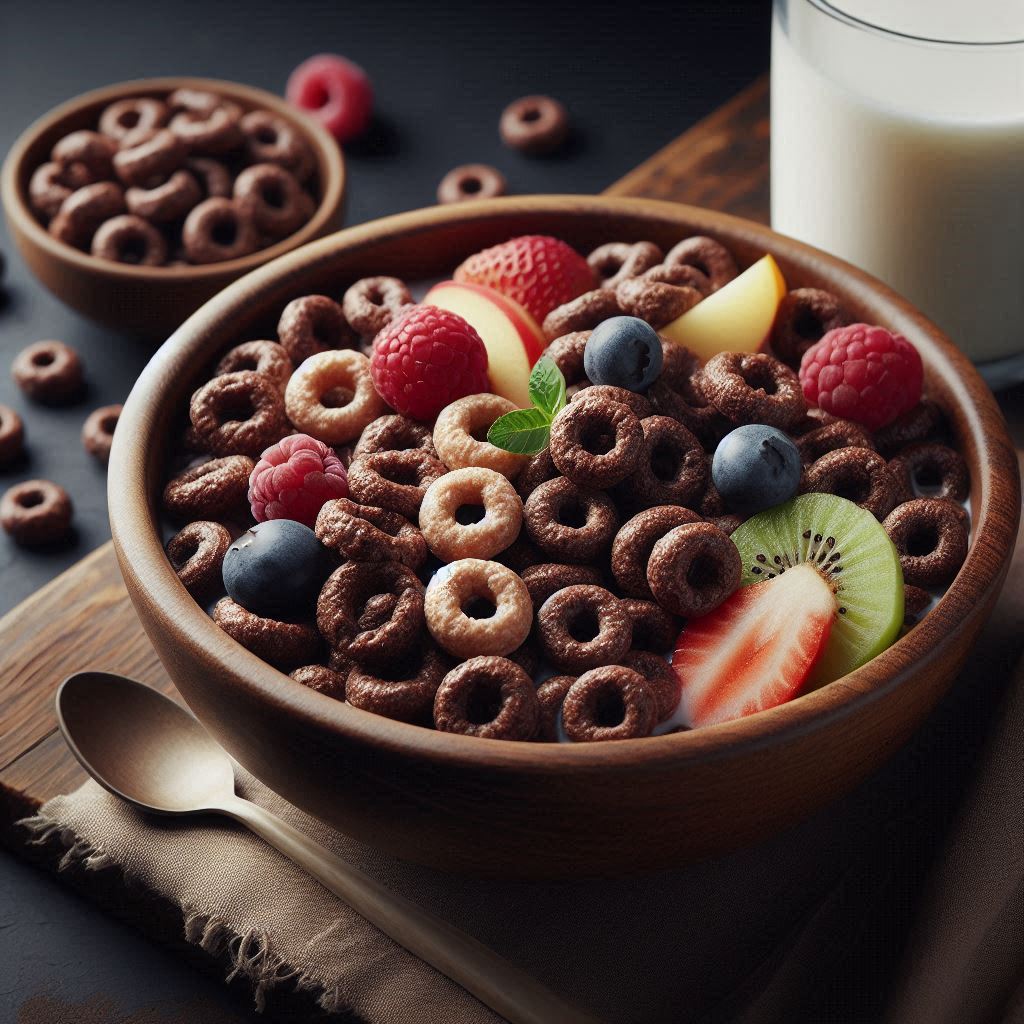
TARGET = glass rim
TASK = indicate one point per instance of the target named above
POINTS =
(828, 8)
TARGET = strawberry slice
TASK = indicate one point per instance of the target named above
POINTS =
(757, 649)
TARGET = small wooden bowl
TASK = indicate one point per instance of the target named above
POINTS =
(151, 301)
(529, 809)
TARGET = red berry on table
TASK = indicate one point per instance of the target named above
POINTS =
(293, 480)
(334, 91)
(426, 359)
(862, 373)
(538, 271)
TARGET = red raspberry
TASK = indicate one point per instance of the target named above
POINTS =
(862, 373)
(427, 358)
(334, 91)
(538, 271)
(294, 478)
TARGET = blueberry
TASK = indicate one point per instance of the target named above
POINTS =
(755, 467)
(624, 352)
(277, 569)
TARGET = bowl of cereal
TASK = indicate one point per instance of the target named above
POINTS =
(137, 202)
(496, 613)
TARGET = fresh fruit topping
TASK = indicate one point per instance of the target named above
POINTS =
(513, 339)
(537, 271)
(756, 650)
(527, 431)
(294, 478)
(427, 358)
(755, 467)
(334, 91)
(736, 318)
(625, 352)
(863, 373)
(849, 548)
(276, 569)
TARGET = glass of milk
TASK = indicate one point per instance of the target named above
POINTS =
(898, 144)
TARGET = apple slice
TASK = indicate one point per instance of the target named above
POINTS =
(512, 337)
(736, 318)
(757, 649)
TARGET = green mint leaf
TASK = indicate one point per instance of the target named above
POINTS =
(547, 387)
(522, 432)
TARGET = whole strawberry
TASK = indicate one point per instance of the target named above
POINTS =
(537, 271)
(862, 373)
(425, 359)
(293, 480)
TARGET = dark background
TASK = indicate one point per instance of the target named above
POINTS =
(633, 76)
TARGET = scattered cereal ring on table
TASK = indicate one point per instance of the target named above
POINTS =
(12, 435)
(49, 372)
(471, 181)
(36, 513)
(98, 431)
(534, 125)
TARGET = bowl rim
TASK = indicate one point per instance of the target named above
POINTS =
(21, 215)
(135, 528)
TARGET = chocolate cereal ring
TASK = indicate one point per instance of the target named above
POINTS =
(129, 115)
(312, 324)
(681, 274)
(169, 200)
(596, 442)
(213, 490)
(931, 468)
(916, 600)
(471, 181)
(454, 595)
(925, 422)
(654, 629)
(98, 431)
(711, 258)
(550, 697)
(405, 692)
(521, 554)
(238, 414)
(450, 539)
(538, 470)
(322, 679)
(857, 474)
(567, 352)
(638, 403)
(210, 132)
(197, 555)
(365, 534)
(752, 387)
(216, 230)
(657, 302)
(672, 471)
(611, 702)
(931, 540)
(545, 579)
(272, 198)
(396, 481)
(84, 211)
(804, 317)
(633, 544)
(693, 569)
(12, 436)
(615, 262)
(213, 177)
(47, 190)
(154, 159)
(309, 391)
(831, 437)
(263, 357)
(36, 513)
(89, 150)
(534, 124)
(460, 435)
(373, 302)
(129, 239)
(661, 680)
(488, 697)
(527, 656)
(285, 645)
(394, 434)
(570, 523)
(583, 626)
(49, 372)
(581, 314)
(272, 140)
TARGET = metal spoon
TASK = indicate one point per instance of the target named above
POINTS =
(144, 748)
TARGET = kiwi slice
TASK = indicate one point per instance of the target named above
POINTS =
(848, 546)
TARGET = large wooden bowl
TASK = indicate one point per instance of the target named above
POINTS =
(151, 301)
(522, 809)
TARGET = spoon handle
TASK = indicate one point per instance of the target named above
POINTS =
(498, 984)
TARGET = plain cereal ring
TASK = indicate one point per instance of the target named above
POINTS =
(197, 555)
(312, 324)
(638, 403)
(597, 442)
(216, 230)
(238, 414)
(84, 211)
(654, 629)
(98, 431)
(155, 159)
(313, 382)
(925, 422)
(661, 680)
(534, 125)
(396, 481)
(452, 598)
(550, 697)
(567, 353)
(213, 177)
(583, 626)
(212, 490)
(831, 437)
(633, 544)
(264, 357)
(364, 534)
(931, 540)
(538, 470)
(47, 190)
(213, 131)
(372, 303)
(752, 387)
(581, 314)
(12, 435)
(285, 645)
(169, 200)
(36, 513)
(471, 181)
(545, 579)
(711, 258)
(570, 523)
(322, 679)
(672, 471)
(615, 262)
(129, 115)
(657, 302)
(272, 140)
(491, 698)
(129, 239)
(394, 433)
(90, 150)
(693, 569)
(931, 467)
(611, 702)
(272, 197)
(460, 435)
(804, 317)
(405, 692)
(857, 474)
(447, 537)
(49, 372)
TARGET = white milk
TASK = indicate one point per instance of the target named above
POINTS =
(907, 157)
